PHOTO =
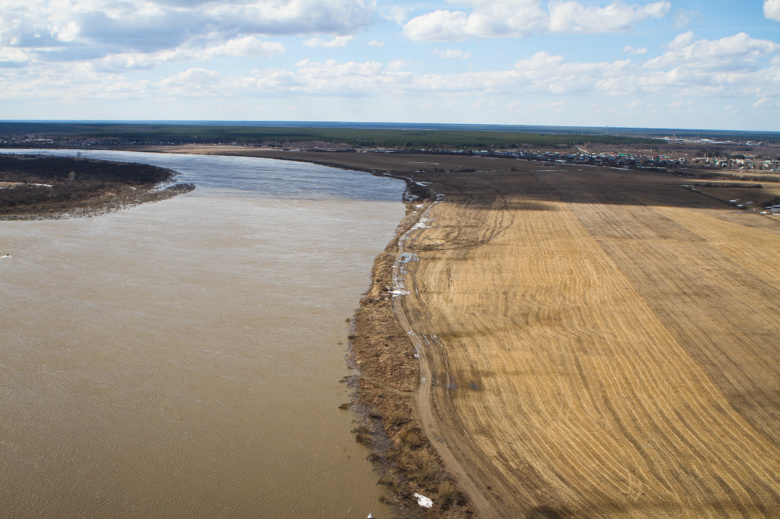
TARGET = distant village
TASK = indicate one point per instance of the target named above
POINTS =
(626, 160)
(713, 155)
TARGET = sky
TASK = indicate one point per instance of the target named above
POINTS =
(711, 64)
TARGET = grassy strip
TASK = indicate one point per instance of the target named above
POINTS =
(404, 457)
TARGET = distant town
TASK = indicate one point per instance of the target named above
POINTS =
(627, 150)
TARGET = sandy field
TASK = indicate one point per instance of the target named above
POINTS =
(593, 342)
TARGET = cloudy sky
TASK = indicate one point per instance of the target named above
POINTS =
(668, 63)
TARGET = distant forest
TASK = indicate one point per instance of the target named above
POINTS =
(357, 135)
(423, 137)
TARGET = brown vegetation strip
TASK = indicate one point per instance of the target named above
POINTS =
(404, 456)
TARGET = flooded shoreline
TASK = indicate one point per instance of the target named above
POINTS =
(183, 358)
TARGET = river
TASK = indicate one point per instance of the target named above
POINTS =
(184, 358)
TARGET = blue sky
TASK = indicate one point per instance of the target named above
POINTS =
(683, 64)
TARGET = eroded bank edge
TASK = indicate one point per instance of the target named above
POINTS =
(386, 358)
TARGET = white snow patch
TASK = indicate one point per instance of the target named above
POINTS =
(423, 501)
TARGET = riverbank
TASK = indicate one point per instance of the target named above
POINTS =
(389, 374)
(38, 187)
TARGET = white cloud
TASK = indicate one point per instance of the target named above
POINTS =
(452, 54)
(542, 76)
(487, 20)
(573, 17)
(397, 14)
(682, 40)
(376, 43)
(350, 78)
(633, 50)
(521, 18)
(738, 52)
(248, 46)
(766, 102)
(10, 57)
(683, 17)
(545, 74)
(284, 17)
(193, 77)
(772, 9)
(92, 29)
(338, 41)
(438, 26)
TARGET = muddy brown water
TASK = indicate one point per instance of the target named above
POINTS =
(183, 358)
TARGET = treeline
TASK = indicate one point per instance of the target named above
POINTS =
(355, 137)
(25, 168)
(52, 186)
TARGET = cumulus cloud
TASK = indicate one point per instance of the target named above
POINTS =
(248, 46)
(573, 17)
(273, 17)
(766, 102)
(487, 19)
(731, 53)
(193, 77)
(338, 41)
(10, 57)
(352, 78)
(677, 74)
(683, 17)
(451, 54)
(397, 14)
(544, 74)
(633, 50)
(90, 29)
(772, 9)
(521, 18)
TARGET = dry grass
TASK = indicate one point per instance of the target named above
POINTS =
(402, 454)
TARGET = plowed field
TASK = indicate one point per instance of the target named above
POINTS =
(598, 343)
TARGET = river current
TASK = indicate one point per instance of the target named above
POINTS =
(183, 358)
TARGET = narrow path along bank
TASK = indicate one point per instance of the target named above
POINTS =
(389, 366)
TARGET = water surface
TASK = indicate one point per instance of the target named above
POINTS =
(183, 358)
